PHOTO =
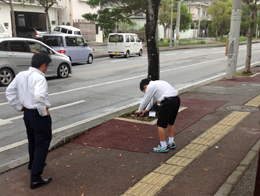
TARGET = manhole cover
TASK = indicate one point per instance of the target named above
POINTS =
(243, 108)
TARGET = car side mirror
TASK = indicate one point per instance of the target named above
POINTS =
(86, 44)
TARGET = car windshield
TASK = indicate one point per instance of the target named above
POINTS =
(40, 29)
(116, 38)
(53, 40)
(77, 33)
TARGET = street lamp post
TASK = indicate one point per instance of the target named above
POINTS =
(171, 26)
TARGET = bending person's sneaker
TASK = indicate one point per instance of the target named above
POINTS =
(171, 145)
(41, 183)
(159, 148)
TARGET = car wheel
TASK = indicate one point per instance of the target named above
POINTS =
(111, 56)
(127, 54)
(6, 76)
(140, 52)
(63, 71)
(90, 59)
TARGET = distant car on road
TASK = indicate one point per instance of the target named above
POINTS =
(74, 46)
(16, 55)
(30, 32)
(3, 31)
(124, 44)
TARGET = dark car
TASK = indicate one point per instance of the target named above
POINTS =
(30, 32)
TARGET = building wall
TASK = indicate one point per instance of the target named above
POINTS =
(5, 13)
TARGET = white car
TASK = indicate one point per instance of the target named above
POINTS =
(124, 44)
(3, 31)
(16, 55)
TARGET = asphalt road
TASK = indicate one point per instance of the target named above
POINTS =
(109, 84)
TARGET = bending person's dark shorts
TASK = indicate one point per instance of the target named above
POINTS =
(168, 111)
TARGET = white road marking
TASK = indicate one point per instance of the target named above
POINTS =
(3, 103)
(2, 93)
(118, 61)
(188, 51)
(171, 54)
(9, 120)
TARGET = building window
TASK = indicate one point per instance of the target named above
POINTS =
(21, 20)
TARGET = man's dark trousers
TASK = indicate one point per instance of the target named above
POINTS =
(39, 136)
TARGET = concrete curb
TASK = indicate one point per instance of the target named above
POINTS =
(233, 179)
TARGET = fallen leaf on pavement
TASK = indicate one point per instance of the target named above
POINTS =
(132, 176)
(99, 147)
(133, 180)
(6, 179)
(96, 161)
(82, 194)
(83, 152)
(13, 188)
(155, 182)
(67, 165)
(150, 137)
(85, 144)
(136, 148)
(82, 187)
(162, 163)
(119, 156)
(206, 169)
(70, 153)
(221, 154)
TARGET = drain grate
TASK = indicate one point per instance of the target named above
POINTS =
(243, 108)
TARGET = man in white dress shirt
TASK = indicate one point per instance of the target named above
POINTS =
(164, 94)
(28, 92)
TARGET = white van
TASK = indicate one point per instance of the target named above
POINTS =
(124, 44)
(66, 30)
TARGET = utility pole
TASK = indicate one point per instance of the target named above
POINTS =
(199, 19)
(178, 23)
(233, 39)
(171, 26)
(256, 29)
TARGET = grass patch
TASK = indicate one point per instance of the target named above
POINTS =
(182, 42)
(224, 39)
(241, 73)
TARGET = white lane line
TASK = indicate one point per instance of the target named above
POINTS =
(188, 51)
(7, 147)
(9, 120)
(3, 103)
(2, 93)
(171, 54)
(118, 61)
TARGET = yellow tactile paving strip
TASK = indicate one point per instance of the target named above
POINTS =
(152, 183)
(254, 102)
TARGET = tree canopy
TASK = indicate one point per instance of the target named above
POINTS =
(221, 16)
(113, 11)
(165, 15)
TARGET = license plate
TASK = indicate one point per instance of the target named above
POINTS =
(115, 52)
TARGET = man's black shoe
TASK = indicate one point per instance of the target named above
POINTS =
(41, 183)
(31, 168)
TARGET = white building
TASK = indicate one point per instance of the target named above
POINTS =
(30, 15)
(67, 12)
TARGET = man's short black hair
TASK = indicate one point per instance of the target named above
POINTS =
(40, 58)
(144, 82)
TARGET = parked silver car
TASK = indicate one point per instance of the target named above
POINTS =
(30, 32)
(74, 46)
(16, 55)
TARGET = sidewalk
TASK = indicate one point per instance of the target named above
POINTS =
(217, 138)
